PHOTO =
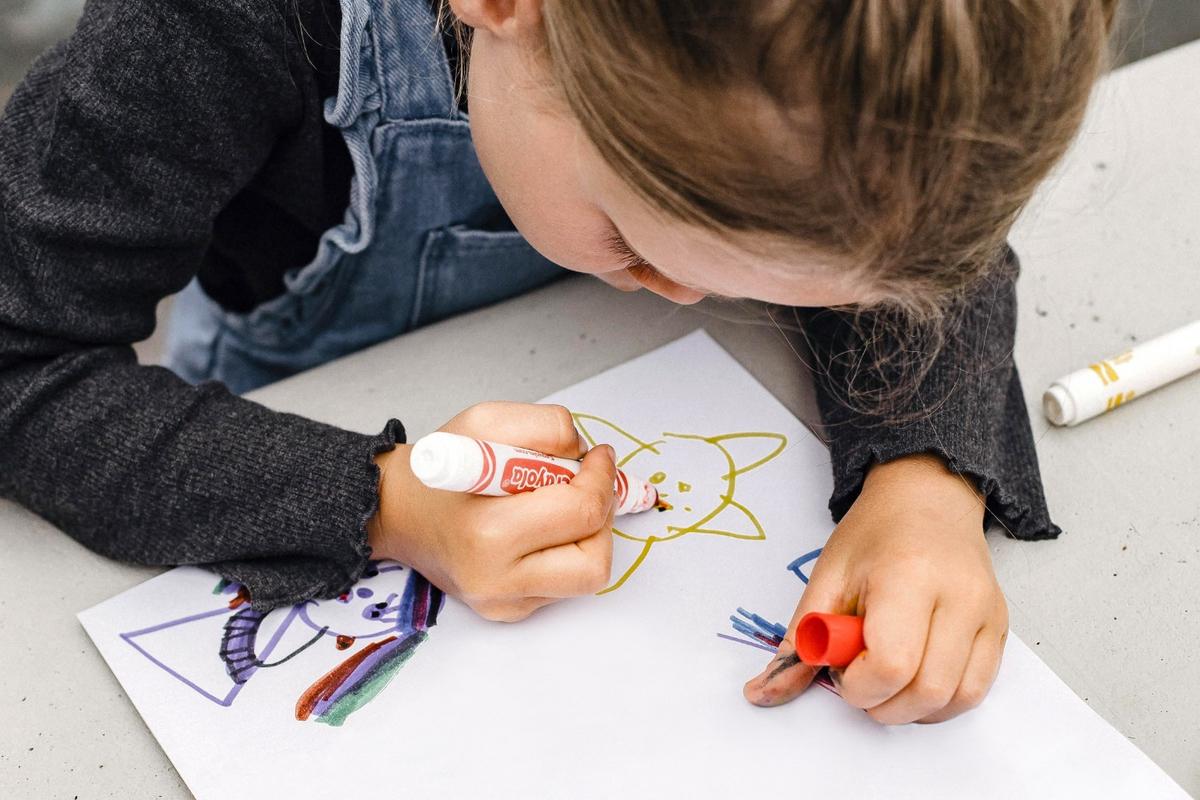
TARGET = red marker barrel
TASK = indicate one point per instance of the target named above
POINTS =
(832, 640)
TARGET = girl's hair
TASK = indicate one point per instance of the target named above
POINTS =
(895, 139)
(898, 138)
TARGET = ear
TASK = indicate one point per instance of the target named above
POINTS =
(597, 430)
(504, 18)
(750, 450)
(732, 520)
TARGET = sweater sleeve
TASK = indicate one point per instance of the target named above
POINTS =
(116, 154)
(967, 407)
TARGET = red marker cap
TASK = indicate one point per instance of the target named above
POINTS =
(829, 639)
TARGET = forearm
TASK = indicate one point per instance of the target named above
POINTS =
(139, 466)
(116, 155)
(967, 409)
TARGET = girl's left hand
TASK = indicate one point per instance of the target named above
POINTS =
(909, 556)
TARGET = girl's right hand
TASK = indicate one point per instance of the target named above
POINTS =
(505, 557)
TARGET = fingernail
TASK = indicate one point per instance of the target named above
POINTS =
(581, 442)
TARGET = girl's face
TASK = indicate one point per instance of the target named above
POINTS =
(573, 208)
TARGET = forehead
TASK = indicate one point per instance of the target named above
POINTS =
(732, 264)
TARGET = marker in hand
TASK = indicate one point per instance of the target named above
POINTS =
(829, 640)
(461, 464)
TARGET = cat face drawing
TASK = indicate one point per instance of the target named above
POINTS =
(698, 477)
(369, 610)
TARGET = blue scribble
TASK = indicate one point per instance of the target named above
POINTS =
(758, 631)
(795, 566)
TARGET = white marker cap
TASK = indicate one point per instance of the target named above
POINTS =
(1058, 405)
(447, 461)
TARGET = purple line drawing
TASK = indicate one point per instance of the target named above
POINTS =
(405, 614)
(743, 641)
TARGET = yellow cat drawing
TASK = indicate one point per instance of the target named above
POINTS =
(697, 475)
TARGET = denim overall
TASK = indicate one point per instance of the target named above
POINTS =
(415, 245)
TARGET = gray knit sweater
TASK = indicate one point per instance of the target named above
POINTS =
(119, 155)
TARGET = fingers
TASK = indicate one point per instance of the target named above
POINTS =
(551, 543)
(561, 514)
(569, 570)
(895, 630)
(565, 531)
(978, 677)
(546, 428)
(951, 637)
(785, 676)
(511, 610)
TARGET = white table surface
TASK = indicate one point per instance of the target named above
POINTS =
(1111, 254)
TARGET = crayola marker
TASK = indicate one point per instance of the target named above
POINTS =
(1112, 382)
(461, 464)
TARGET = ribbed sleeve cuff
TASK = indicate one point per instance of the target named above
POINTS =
(335, 558)
(1002, 467)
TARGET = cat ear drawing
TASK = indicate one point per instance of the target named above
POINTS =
(750, 450)
(743, 453)
(626, 445)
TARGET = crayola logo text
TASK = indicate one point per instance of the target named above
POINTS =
(523, 474)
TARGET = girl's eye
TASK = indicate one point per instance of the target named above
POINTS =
(624, 253)
(642, 271)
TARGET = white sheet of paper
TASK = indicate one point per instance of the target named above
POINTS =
(630, 693)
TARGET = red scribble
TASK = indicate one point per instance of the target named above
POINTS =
(241, 598)
(344, 641)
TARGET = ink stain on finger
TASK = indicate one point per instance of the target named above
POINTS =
(782, 664)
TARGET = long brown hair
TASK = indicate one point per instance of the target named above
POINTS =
(896, 139)
(933, 120)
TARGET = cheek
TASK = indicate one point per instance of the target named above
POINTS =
(528, 171)
(529, 159)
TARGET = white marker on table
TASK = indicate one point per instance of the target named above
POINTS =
(462, 464)
(1112, 382)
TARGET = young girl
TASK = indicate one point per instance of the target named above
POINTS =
(306, 170)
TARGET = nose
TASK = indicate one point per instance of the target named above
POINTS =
(682, 295)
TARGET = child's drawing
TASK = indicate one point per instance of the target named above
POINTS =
(760, 632)
(387, 615)
(797, 565)
(757, 631)
(697, 476)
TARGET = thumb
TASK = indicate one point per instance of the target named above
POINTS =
(785, 676)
